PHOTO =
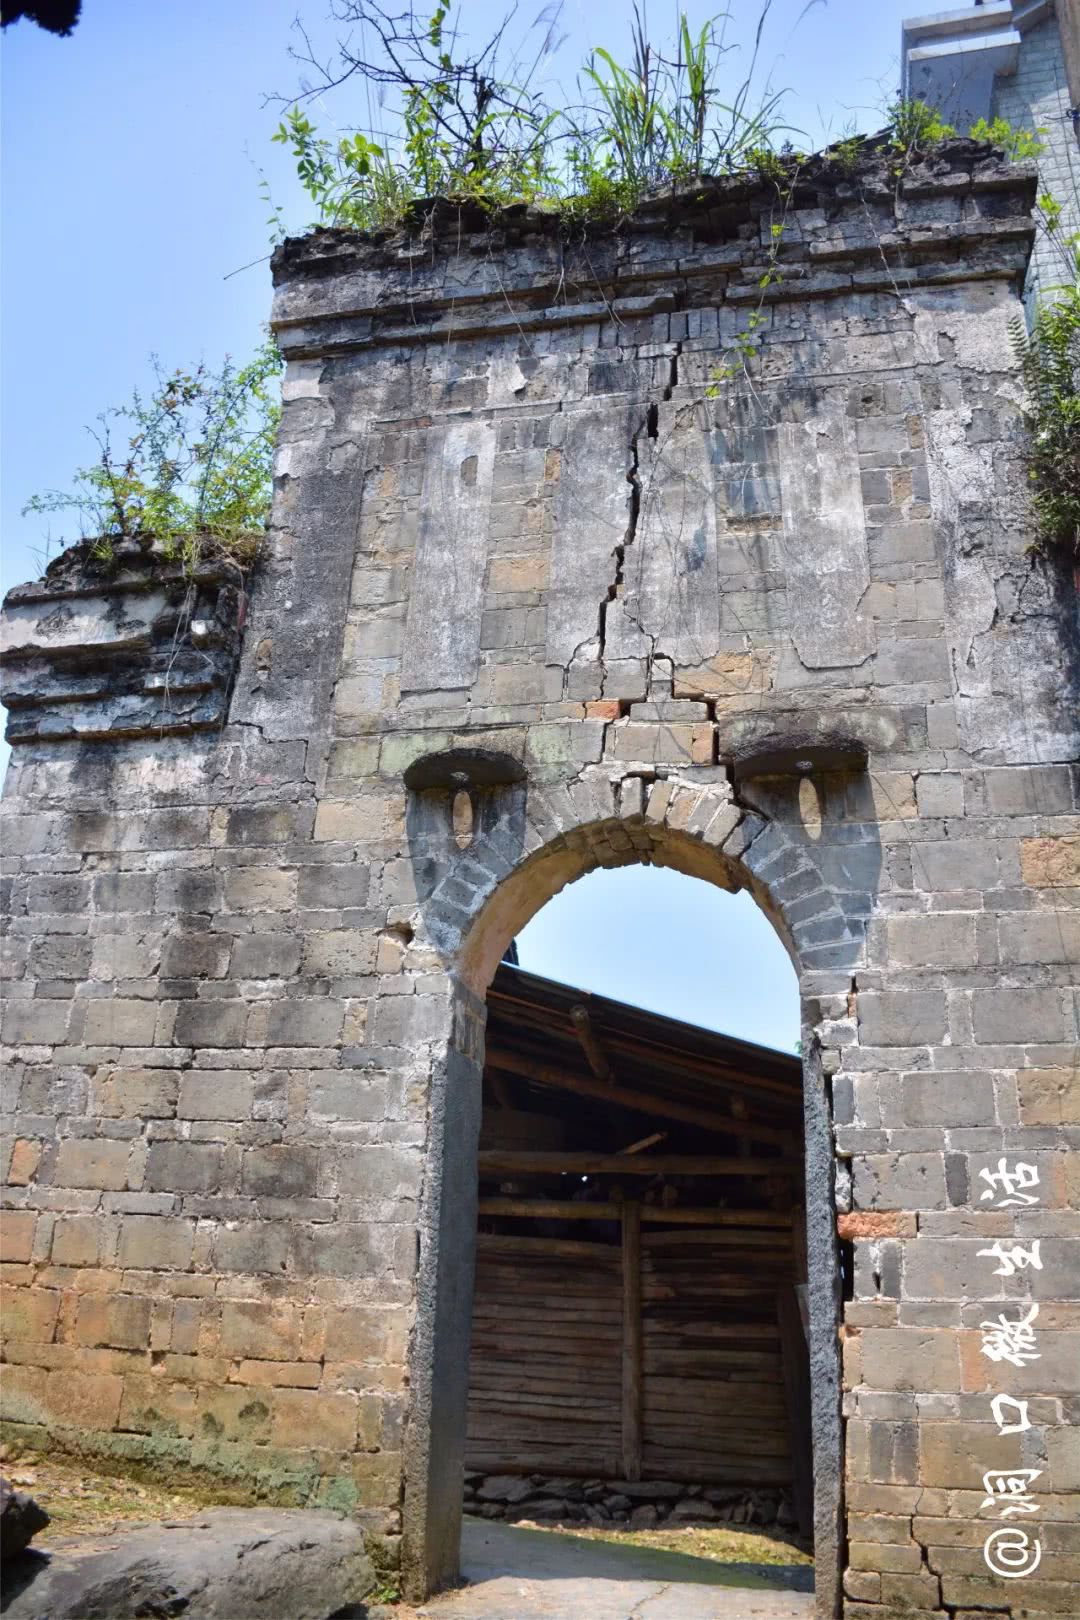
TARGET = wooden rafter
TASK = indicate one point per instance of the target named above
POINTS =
(642, 1102)
(499, 1161)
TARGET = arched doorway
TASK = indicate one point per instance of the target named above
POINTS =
(639, 1353)
(517, 863)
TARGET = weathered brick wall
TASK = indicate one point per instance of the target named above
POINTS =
(519, 514)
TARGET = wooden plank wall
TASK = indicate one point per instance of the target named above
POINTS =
(714, 1407)
(549, 1374)
(545, 1380)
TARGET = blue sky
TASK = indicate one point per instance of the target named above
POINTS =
(131, 207)
(674, 944)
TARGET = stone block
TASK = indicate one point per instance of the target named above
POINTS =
(84, 1400)
(409, 1021)
(940, 793)
(912, 661)
(1051, 863)
(60, 956)
(283, 1170)
(135, 1093)
(125, 956)
(25, 1158)
(235, 1414)
(262, 1248)
(263, 824)
(901, 1017)
(910, 1358)
(95, 1162)
(306, 1417)
(1031, 790)
(1039, 937)
(365, 1249)
(340, 951)
(187, 890)
(210, 1023)
(184, 1167)
(956, 1269)
(862, 1585)
(335, 886)
(364, 1333)
(23, 1394)
(1063, 1457)
(957, 863)
(118, 1320)
(947, 941)
(900, 1181)
(119, 1022)
(83, 1240)
(673, 743)
(910, 1592)
(266, 1330)
(265, 956)
(355, 1095)
(216, 1094)
(30, 1313)
(357, 821)
(378, 1171)
(1049, 1096)
(947, 1098)
(196, 956)
(260, 888)
(155, 1243)
(315, 1022)
(956, 1455)
(123, 891)
(34, 1023)
(157, 1406)
(1006, 1015)
(58, 896)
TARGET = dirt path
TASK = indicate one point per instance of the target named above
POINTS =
(520, 1574)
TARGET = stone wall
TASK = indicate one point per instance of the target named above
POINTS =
(531, 540)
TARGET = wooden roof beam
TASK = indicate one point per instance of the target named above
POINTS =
(641, 1102)
(511, 1161)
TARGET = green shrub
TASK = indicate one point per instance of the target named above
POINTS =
(1049, 356)
(186, 465)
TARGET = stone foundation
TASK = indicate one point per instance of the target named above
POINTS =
(624, 1504)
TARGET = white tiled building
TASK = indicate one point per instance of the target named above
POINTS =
(1015, 59)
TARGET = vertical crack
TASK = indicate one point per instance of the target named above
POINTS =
(633, 478)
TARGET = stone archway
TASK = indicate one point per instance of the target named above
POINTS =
(526, 849)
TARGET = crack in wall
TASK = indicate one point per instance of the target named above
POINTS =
(633, 478)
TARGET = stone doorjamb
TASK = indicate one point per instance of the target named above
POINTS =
(534, 841)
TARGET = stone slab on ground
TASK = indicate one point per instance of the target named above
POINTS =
(519, 1574)
(228, 1564)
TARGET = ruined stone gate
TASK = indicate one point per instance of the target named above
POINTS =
(537, 538)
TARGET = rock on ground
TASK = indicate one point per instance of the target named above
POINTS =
(229, 1564)
(20, 1519)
